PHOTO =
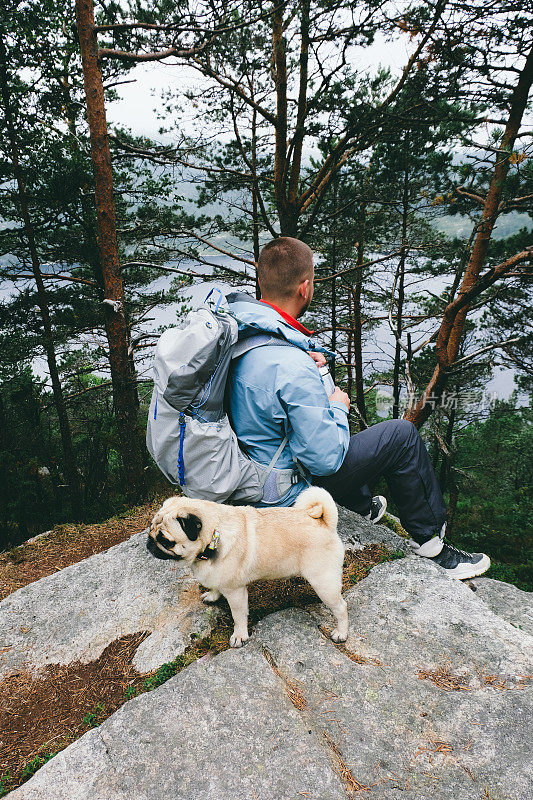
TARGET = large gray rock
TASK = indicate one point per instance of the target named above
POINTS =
(507, 601)
(357, 532)
(365, 715)
(219, 730)
(402, 734)
(76, 613)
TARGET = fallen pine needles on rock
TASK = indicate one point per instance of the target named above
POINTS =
(445, 680)
(68, 544)
(42, 714)
(351, 784)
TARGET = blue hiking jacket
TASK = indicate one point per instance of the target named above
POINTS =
(275, 391)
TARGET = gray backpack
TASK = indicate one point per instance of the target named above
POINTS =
(189, 435)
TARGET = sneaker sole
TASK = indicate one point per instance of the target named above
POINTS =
(465, 571)
(383, 510)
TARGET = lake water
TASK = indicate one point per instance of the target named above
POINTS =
(378, 348)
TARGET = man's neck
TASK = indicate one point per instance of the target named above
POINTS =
(288, 317)
(291, 307)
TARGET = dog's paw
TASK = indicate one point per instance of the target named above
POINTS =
(238, 641)
(338, 637)
(211, 596)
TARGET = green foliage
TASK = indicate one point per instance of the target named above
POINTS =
(390, 522)
(95, 717)
(163, 674)
(521, 575)
(4, 780)
(396, 554)
(36, 763)
(33, 496)
(381, 558)
(495, 505)
(46, 102)
(393, 525)
(26, 444)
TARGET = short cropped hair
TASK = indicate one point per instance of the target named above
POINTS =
(282, 265)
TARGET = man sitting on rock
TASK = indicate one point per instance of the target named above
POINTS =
(276, 391)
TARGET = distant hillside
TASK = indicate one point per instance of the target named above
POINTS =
(507, 225)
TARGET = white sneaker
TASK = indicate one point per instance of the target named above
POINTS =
(377, 509)
(457, 563)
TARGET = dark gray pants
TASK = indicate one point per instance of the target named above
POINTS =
(395, 450)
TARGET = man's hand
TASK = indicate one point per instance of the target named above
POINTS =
(339, 396)
(319, 358)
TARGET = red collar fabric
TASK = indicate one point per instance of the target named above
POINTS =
(287, 317)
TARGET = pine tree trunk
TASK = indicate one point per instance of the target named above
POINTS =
(69, 458)
(118, 335)
(401, 298)
(358, 321)
(255, 204)
(334, 280)
(349, 373)
(445, 472)
(279, 69)
(452, 326)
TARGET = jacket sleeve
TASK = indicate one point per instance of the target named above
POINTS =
(318, 432)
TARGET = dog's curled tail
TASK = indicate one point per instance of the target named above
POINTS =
(319, 504)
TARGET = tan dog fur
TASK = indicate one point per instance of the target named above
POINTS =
(259, 543)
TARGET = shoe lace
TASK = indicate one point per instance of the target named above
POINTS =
(457, 550)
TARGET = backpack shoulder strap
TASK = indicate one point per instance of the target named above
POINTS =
(244, 346)
(258, 340)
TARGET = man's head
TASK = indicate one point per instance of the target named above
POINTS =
(285, 273)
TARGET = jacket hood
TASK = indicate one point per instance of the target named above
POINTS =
(255, 317)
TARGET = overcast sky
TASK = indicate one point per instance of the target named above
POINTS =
(139, 101)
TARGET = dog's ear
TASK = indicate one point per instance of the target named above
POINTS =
(192, 525)
(168, 502)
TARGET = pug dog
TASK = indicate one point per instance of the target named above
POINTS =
(228, 547)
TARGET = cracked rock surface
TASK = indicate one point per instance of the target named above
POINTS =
(76, 613)
(226, 728)
(426, 701)
(507, 601)
(405, 736)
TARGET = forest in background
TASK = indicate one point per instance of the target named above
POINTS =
(414, 187)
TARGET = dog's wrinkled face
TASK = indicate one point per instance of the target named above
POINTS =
(175, 533)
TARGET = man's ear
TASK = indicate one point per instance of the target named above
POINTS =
(192, 525)
(303, 289)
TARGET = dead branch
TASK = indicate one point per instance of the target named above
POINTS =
(471, 196)
(221, 250)
(151, 265)
(161, 55)
(17, 275)
(482, 350)
(364, 264)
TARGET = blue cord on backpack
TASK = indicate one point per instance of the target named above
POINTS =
(181, 465)
(220, 298)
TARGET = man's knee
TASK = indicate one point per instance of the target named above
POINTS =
(402, 430)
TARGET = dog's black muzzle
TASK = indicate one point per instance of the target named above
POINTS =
(158, 553)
